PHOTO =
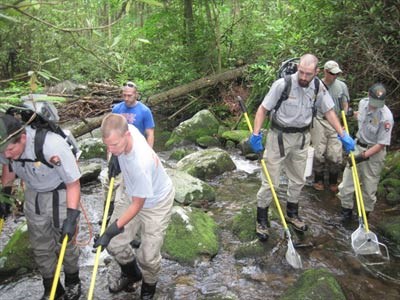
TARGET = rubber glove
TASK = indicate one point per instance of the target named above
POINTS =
(113, 167)
(358, 158)
(347, 141)
(69, 225)
(106, 237)
(255, 142)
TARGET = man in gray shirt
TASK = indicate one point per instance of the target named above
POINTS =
(289, 138)
(52, 196)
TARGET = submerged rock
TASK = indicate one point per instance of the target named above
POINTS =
(315, 284)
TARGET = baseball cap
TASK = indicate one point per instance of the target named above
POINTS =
(10, 129)
(332, 66)
(377, 95)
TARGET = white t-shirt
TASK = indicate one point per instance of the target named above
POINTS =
(143, 173)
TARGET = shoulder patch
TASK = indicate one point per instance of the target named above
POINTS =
(387, 126)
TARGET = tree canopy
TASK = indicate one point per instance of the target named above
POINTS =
(166, 43)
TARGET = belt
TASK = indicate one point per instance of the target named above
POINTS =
(362, 144)
(289, 129)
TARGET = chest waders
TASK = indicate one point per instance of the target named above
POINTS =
(56, 204)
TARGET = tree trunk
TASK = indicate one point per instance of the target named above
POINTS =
(183, 90)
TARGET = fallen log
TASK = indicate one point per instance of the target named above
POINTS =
(183, 90)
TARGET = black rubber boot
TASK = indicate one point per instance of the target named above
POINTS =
(346, 215)
(292, 212)
(130, 273)
(318, 181)
(333, 181)
(148, 291)
(72, 286)
(262, 224)
(48, 283)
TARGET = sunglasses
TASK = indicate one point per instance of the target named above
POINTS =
(130, 84)
(333, 74)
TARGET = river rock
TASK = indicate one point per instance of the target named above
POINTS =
(315, 284)
(203, 123)
(389, 185)
(190, 190)
(92, 148)
(390, 228)
(207, 163)
(191, 236)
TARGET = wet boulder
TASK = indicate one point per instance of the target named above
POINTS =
(17, 255)
(191, 236)
(190, 190)
(66, 87)
(92, 148)
(390, 228)
(207, 163)
(203, 123)
(389, 185)
(90, 171)
(315, 284)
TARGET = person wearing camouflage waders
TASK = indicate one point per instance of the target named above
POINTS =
(328, 149)
(375, 124)
(289, 138)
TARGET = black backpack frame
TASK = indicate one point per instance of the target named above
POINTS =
(42, 126)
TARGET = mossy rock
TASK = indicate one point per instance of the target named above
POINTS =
(92, 148)
(208, 141)
(250, 250)
(244, 223)
(207, 163)
(17, 255)
(315, 284)
(236, 136)
(191, 235)
(390, 228)
(389, 189)
(178, 154)
(201, 124)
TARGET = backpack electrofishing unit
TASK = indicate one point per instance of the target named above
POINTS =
(43, 116)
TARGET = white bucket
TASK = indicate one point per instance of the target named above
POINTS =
(309, 165)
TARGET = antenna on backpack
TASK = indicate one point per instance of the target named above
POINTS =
(288, 67)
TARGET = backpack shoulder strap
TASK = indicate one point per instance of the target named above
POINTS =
(285, 92)
(40, 136)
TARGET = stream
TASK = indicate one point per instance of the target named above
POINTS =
(327, 244)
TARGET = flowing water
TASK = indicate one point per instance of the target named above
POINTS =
(327, 244)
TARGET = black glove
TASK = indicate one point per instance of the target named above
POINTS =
(69, 225)
(105, 238)
(5, 207)
(113, 167)
(358, 158)
(349, 112)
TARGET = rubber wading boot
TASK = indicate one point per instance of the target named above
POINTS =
(346, 215)
(72, 286)
(318, 181)
(262, 224)
(48, 283)
(333, 181)
(292, 212)
(148, 290)
(130, 273)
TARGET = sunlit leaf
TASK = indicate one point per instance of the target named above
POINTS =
(51, 60)
(146, 41)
